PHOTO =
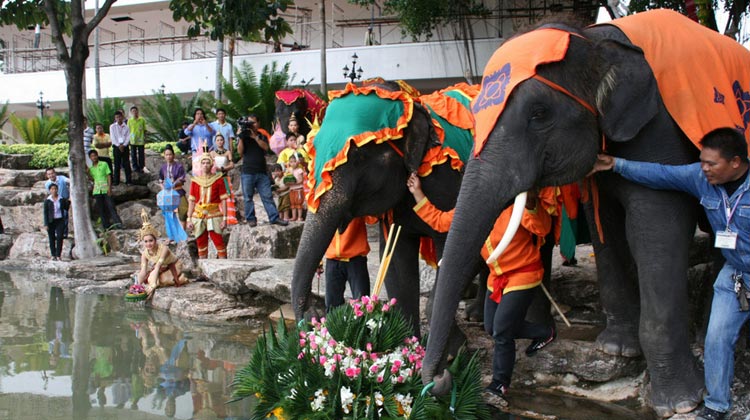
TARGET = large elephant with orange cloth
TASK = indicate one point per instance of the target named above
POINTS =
(372, 139)
(550, 100)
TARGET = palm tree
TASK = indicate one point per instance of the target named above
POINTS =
(165, 112)
(39, 130)
(250, 95)
(104, 113)
(4, 114)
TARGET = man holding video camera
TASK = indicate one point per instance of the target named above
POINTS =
(253, 146)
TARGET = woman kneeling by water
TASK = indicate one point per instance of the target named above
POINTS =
(159, 266)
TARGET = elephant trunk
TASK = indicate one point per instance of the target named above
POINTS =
(316, 236)
(485, 192)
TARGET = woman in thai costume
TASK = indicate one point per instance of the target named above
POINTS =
(159, 266)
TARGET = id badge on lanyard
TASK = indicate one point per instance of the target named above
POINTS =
(726, 239)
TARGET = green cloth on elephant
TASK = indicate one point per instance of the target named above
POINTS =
(572, 233)
(458, 139)
(352, 116)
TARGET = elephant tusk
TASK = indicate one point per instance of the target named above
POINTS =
(510, 231)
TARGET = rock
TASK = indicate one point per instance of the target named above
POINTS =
(124, 242)
(103, 268)
(23, 219)
(203, 302)
(228, 275)
(187, 252)
(14, 196)
(122, 193)
(21, 178)
(130, 213)
(6, 242)
(35, 244)
(15, 161)
(264, 241)
(579, 358)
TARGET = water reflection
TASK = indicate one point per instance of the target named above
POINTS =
(68, 356)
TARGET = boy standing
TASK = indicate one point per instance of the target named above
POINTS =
(102, 177)
(137, 128)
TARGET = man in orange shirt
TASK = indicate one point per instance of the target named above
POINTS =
(513, 278)
(346, 261)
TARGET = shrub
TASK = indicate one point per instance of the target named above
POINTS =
(39, 130)
(160, 146)
(45, 155)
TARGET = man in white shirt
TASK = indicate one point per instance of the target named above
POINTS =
(120, 136)
(221, 126)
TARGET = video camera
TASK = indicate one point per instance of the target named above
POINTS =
(245, 124)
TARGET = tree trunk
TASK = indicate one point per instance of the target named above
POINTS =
(82, 318)
(85, 237)
(219, 69)
(232, 42)
(323, 71)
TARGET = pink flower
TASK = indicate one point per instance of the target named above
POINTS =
(351, 372)
(374, 298)
(386, 307)
(313, 345)
(380, 379)
(394, 369)
(400, 379)
(365, 300)
(337, 357)
(323, 360)
(302, 342)
(393, 301)
(397, 364)
(370, 307)
(301, 355)
(332, 343)
(368, 346)
(358, 313)
(373, 356)
(373, 369)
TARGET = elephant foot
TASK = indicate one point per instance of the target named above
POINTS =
(474, 311)
(679, 395)
(619, 341)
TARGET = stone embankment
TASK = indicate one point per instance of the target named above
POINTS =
(255, 281)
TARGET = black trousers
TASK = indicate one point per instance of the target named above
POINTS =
(122, 160)
(184, 146)
(138, 157)
(55, 231)
(505, 321)
(338, 273)
(106, 209)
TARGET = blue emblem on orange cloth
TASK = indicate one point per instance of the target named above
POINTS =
(718, 96)
(493, 89)
(743, 101)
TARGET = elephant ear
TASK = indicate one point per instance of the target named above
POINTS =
(421, 136)
(627, 96)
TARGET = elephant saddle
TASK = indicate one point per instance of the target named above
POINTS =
(703, 76)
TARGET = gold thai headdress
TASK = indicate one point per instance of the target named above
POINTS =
(206, 155)
(146, 227)
(292, 118)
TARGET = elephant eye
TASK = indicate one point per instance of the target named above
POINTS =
(539, 113)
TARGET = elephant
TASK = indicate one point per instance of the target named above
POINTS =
(550, 98)
(370, 179)
(305, 106)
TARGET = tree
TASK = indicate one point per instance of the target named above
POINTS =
(250, 94)
(253, 20)
(59, 16)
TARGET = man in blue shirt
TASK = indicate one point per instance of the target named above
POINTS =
(720, 181)
(221, 126)
(200, 131)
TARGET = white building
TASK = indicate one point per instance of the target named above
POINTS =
(142, 49)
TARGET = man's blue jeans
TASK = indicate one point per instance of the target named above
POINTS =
(260, 182)
(721, 337)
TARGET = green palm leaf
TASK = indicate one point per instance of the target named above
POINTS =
(165, 112)
(39, 130)
(103, 114)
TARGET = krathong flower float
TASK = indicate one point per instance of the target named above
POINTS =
(360, 362)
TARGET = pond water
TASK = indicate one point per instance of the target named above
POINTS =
(80, 357)
(66, 356)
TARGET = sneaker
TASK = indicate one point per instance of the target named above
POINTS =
(494, 394)
(709, 414)
(541, 343)
(252, 223)
(280, 222)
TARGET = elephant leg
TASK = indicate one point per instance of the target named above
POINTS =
(660, 226)
(402, 278)
(618, 287)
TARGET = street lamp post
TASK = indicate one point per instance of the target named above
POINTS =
(352, 74)
(41, 105)
(162, 88)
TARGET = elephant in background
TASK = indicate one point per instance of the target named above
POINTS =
(370, 179)
(305, 106)
(549, 98)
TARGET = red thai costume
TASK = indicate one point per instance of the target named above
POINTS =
(208, 192)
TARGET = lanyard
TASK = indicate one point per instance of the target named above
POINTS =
(729, 212)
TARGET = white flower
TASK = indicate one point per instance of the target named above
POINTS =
(347, 398)
(378, 399)
(405, 401)
(319, 400)
(372, 324)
